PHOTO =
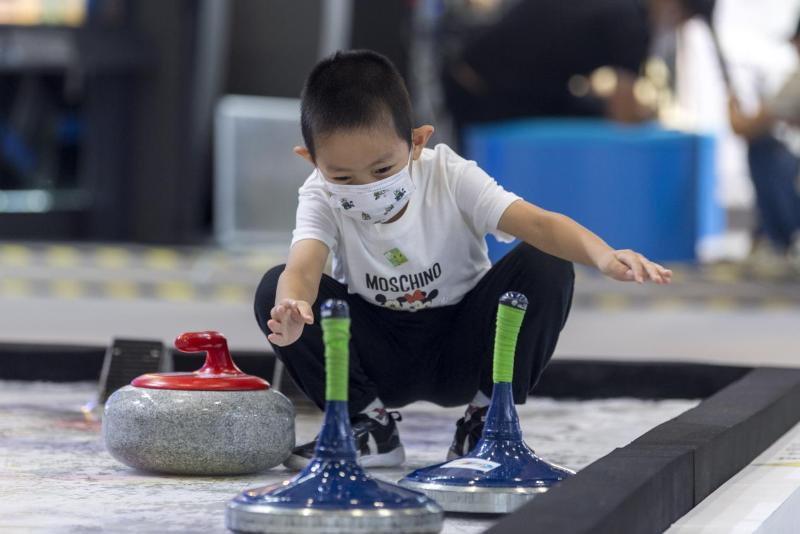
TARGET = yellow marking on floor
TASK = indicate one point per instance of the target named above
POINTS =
(611, 301)
(15, 287)
(721, 304)
(679, 273)
(15, 255)
(779, 303)
(112, 257)
(261, 262)
(62, 256)
(770, 272)
(233, 293)
(67, 289)
(176, 291)
(121, 290)
(162, 259)
(781, 464)
(724, 273)
(668, 303)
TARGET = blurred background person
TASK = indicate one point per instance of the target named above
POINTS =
(525, 64)
(771, 134)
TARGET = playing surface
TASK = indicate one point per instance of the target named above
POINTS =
(55, 474)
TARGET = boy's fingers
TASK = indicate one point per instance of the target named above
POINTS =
(653, 273)
(623, 272)
(274, 326)
(666, 274)
(634, 262)
(295, 308)
(305, 312)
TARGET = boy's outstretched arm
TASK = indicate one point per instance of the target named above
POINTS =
(297, 290)
(560, 236)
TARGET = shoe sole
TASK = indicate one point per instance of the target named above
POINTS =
(393, 458)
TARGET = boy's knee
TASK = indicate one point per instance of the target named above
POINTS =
(265, 295)
(552, 271)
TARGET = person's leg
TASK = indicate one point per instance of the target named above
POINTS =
(548, 284)
(374, 430)
(393, 354)
(773, 170)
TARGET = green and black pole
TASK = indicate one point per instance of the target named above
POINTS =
(501, 473)
(333, 493)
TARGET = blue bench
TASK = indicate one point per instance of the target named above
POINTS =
(639, 187)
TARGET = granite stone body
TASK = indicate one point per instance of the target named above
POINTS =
(199, 432)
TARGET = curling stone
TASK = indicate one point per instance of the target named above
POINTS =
(333, 493)
(214, 421)
(501, 473)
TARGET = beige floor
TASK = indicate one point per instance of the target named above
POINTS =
(56, 476)
(88, 294)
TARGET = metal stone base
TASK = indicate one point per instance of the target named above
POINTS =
(270, 519)
(476, 499)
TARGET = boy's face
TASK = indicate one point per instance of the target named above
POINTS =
(365, 156)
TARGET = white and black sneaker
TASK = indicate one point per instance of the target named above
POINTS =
(468, 431)
(377, 443)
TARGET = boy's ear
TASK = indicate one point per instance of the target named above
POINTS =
(419, 138)
(304, 153)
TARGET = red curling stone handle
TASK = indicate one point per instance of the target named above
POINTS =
(218, 358)
(218, 373)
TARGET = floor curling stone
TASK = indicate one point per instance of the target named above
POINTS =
(214, 421)
(333, 494)
(501, 473)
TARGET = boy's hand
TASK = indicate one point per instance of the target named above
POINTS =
(288, 319)
(628, 266)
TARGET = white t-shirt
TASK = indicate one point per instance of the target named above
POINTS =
(786, 104)
(432, 255)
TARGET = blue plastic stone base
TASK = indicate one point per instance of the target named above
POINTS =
(500, 462)
(334, 494)
(334, 485)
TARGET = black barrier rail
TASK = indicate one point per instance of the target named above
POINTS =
(564, 377)
(648, 485)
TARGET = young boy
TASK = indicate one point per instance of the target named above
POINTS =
(406, 226)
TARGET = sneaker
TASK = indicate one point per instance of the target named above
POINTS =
(377, 443)
(468, 431)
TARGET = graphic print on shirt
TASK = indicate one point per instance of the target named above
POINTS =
(406, 291)
(408, 302)
(395, 257)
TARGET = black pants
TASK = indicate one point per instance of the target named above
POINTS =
(442, 355)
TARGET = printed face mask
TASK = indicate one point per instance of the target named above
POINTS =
(376, 202)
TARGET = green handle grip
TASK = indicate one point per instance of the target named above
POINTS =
(510, 313)
(336, 336)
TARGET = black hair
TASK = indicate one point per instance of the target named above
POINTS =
(352, 89)
(796, 34)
